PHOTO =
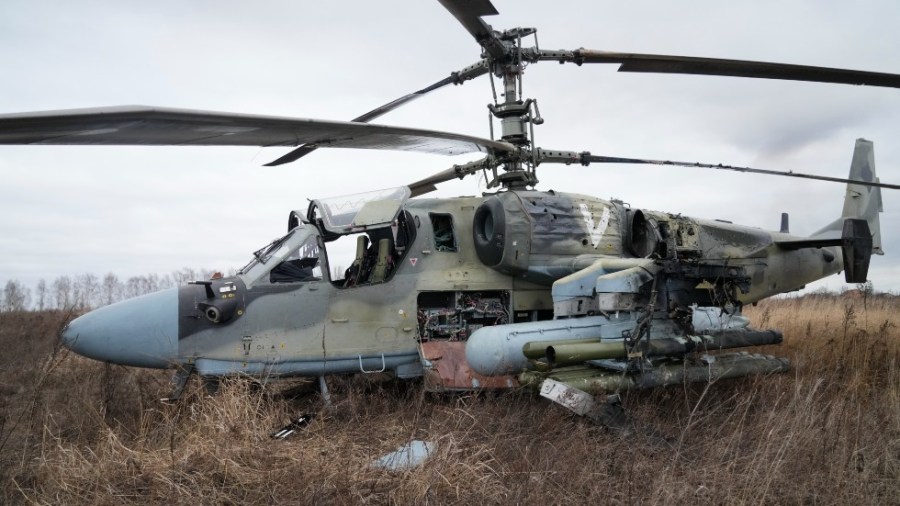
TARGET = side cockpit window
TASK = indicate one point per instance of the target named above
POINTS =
(444, 238)
(378, 253)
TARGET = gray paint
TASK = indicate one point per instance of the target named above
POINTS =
(315, 327)
(140, 332)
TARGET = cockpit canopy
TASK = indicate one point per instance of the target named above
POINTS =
(296, 256)
(354, 213)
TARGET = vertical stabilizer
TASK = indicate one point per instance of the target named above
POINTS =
(860, 202)
(864, 201)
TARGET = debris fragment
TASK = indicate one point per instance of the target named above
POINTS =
(407, 456)
(289, 429)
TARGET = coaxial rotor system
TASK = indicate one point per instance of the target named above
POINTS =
(511, 158)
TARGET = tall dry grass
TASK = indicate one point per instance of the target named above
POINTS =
(76, 431)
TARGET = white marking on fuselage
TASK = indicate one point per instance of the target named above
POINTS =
(596, 232)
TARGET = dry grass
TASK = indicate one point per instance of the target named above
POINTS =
(79, 432)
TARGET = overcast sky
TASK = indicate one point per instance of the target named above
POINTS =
(70, 210)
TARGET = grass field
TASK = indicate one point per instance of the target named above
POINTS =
(74, 431)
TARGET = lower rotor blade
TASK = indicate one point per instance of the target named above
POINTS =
(612, 159)
(585, 158)
(427, 185)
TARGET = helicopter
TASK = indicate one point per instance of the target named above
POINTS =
(437, 284)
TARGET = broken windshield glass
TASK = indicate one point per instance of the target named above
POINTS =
(267, 258)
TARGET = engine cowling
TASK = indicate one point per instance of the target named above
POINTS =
(545, 235)
(502, 235)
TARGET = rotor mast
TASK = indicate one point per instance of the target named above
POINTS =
(502, 51)
(516, 115)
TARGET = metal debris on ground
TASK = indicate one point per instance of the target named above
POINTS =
(609, 413)
(291, 428)
(407, 456)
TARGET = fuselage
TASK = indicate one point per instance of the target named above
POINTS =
(447, 268)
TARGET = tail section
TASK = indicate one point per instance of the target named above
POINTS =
(860, 202)
(864, 201)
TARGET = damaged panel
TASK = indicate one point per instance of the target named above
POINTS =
(566, 224)
(446, 368)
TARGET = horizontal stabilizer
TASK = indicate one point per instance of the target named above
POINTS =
(860, 201)
(856, 247)
(795, 244)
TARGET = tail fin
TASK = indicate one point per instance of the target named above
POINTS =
(864, 201)
(860, 202)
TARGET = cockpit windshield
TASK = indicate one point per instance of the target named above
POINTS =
(354, 213)
(293, 257)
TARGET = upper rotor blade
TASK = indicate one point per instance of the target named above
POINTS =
(468, 13)
(466, 74)
(570, 157)
(149, 126)
(669, 64)
(390, 106)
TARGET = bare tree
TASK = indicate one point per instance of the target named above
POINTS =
(152, 284)
(88, 289)
(62, 291)
(134, 286)
(184, 275)
(165, 282)
(42, 296)
(16, 297)
(110, 289)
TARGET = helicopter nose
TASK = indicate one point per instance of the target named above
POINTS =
(141, 332)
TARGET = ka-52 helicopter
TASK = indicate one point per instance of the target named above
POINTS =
(515, 287)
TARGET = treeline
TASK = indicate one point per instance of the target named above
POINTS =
(857, 291)
(89, 291)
